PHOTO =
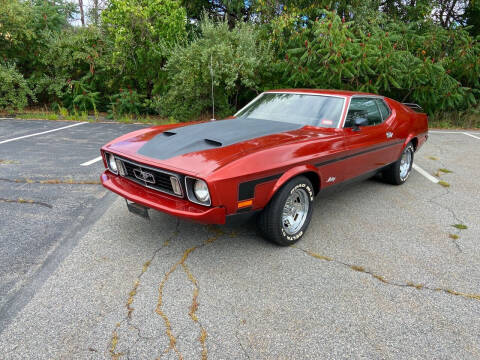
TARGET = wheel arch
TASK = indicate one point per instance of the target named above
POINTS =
(309, 171)
(413, 139)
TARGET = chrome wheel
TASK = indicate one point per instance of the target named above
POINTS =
(406, 163)
(295, 211)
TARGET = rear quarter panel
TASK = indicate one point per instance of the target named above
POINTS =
(408, 124)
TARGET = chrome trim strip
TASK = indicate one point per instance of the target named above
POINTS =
(301, 93)
(145, 184)
(251, 102)
(107, 157)
(194, 200)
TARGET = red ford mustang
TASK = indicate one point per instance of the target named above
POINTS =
(271, 158)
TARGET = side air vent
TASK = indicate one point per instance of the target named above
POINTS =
(169, 133)
(213, 142)
(414, 107)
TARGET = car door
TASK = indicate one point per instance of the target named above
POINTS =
(367, 147)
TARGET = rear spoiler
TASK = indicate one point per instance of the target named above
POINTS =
(414, 107)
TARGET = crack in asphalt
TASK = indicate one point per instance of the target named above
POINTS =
(383, 280)
(194, 306)
(239, 320)
(52, 181)
(457, 220)
(432, 200)
(131, 297)
(241, 345)
(26, 201)
(113, 346)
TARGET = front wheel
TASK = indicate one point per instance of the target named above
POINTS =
(286, 217)
(398, 172)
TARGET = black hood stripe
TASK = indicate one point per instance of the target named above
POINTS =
(211, 135)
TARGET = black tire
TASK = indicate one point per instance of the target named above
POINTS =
(270, 219)
(392, 174)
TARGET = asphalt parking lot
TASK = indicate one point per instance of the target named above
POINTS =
(382, 273)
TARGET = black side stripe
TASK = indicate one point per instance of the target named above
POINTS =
(358, 153)
(246, 190)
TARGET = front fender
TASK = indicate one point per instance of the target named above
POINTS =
(290, 174)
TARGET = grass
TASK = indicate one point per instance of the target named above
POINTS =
(7, 162)
(455, 120)
(357, 268)
(38, 115)
(446, 171)
(64, 114)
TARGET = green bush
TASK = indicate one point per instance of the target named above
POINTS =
(236, 60)
(127, 102)
(141, 32)
(408, 62)
(73, 65)
(14, 91)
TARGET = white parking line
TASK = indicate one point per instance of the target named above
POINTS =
(476, 137)
(425, 173)
(90, 162)
(41, 133)
(453, 132)
(443, 132)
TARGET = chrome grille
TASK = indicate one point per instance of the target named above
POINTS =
(147, 176)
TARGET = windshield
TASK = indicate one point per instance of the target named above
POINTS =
(305, 109)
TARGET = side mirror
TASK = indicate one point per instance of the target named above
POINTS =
(359, 121)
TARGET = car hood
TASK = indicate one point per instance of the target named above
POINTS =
(200, 148)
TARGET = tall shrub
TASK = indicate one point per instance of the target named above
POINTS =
(14, 91)
(409, 62)
(235, 61)
(141, 32)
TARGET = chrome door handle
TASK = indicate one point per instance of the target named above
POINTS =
(389, 134)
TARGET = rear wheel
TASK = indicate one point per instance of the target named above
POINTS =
(286, 217)
(398, 172)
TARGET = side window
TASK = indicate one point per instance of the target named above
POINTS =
(364, 108)
(384, 110)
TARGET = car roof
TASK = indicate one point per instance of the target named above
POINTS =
(322, 91)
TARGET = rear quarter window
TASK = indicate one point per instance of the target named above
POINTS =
(384, 109)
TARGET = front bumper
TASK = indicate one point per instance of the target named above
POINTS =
(162, 202)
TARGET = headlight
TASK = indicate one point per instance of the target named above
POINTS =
(112, 163)
(197, 191)
(200, 190)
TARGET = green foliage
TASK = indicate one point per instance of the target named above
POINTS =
(15, 29)
(84, 98)
(142, 31)
(404, 61)
(14, 91)
(125, 103)
(162, 52)
(73, 63)
(236, 60)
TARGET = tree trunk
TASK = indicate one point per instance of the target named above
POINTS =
(95, 12)
(82, 15)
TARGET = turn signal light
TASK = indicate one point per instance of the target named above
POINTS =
(175, 185)
(245, 203)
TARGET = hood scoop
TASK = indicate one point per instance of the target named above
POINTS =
(213, 142)
(210, 135)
